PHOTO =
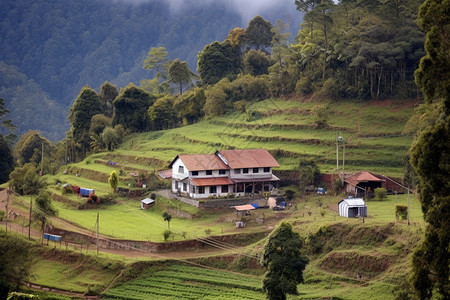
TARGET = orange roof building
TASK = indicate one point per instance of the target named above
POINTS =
(237, 172)
(362, 181)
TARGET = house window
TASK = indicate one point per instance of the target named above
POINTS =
(245, 170)
(224, 188)
(201, 189)
(213, 189)
(237, 171)
(240, 187)
(184, 187)
(266, 169)
(194, 173)
(255, 170)
(222, 172)
(180, 169)
(176, 185)
(208, 172)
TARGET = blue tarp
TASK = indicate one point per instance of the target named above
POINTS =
(255, 205)
(85, 192)
(52, 237)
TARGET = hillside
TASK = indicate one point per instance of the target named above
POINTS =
(60, 46)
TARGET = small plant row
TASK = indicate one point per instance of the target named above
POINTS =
(187, 282)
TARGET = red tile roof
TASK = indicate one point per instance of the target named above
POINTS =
(248, 158)
(362, 176)
(211, 181)
(201, 162)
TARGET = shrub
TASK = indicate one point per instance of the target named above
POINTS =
(401, 211)
(289, 194)
(337, 185)
(208, 231)
(2, 215)
(380, 194)
(303, 86)
(166, 234)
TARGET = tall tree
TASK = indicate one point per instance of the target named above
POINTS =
(284, 261)
(29, 148)
(130, 109)
(6, 155)
(430, 155)
(256, 62)
(108, 93)
(180, 74)
(167, 217)
(43, 209)
(218, 60)
(162, 114)
(15, 263)
(189, 106)
(157, 60)
(258, 33)
(86, 105)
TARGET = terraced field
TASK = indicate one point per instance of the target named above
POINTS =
(188, 282)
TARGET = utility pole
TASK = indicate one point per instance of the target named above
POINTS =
(343, 164)
(97, 231)
(337, 154)
(29, 220)
(364, 201)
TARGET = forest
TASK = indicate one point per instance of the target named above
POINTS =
(356, 50)
(352, 50)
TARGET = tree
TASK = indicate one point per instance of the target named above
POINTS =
(43, 208)
(108, 93)
(189, 107)
(430, 156)
(25, 180)
(113, 180)
(256, 63)
(284, 262)
(309, 173)
(6, 155)
(218, 60)
(98, 123)
(130, 109)
(6, 160)
(235, 36)
(167, 217)
(86, 105)
(162, 114)
(157, 60)
(258, 33)
(110, 139)
(180, 74)
(216, 100)
(15, 263)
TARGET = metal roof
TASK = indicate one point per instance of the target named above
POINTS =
(355, 202)
(201, 162)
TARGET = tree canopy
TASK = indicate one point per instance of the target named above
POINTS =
(284, 262)
(430, 155)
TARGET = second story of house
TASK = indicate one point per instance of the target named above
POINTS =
(235, 164)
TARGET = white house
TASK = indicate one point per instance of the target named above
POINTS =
(225, 172)
(352, 207)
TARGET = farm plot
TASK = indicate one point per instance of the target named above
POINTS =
(187, 282)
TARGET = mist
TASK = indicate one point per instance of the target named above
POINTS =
(246, 9)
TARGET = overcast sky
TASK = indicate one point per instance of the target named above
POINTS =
(247, 9)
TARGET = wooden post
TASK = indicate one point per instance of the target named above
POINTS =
(408, 208)
(97, 231)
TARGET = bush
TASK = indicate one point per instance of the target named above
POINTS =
(2, 215)
(380, 194)
(21, 296)
(289, 194)
(166, 234)
(337, 185)
(401, 211)
(303, 86)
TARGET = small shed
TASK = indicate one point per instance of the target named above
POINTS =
(352, 208)
(147, 203)
(244, 208)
